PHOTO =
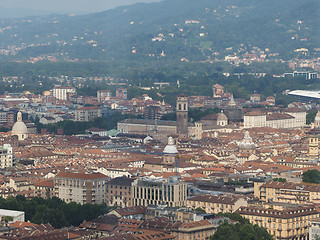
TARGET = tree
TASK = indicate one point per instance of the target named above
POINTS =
(311, 176)
(311, 116)
(242, 230)
(199, 209)
(238, 231)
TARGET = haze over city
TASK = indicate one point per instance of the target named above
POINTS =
(30, 7)
(161, 120)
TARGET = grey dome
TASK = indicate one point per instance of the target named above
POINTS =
(170, 148)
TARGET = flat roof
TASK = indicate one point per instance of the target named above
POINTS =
(306, 93)
(6, 212)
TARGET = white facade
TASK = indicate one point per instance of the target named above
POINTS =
(62, 92)
(16, 215)
(251, 121)
(114, 172)
(287, 119)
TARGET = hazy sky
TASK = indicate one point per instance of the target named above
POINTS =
(68, 5)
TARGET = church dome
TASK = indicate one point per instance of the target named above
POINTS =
(170, 148)
(247, 143)
(19, 128)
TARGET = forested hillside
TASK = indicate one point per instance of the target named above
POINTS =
(195, 30)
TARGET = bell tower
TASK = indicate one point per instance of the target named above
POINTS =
(182, 116)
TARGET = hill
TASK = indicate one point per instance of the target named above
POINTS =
(176, 29)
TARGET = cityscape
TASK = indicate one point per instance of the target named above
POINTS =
(142, 142)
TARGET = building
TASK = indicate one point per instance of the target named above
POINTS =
(282, 222)
(158, 129)
(286, 119)
(214, 120)
(314, 230)
(233, 111)
(86, 114)
(44, 189)
(103, 94)
(171, 192)
(216, 204)
(6, 156)
(182, 116)
(313, 136)
(122, 93)
(247, 145)
(80, 187)
(255, 98)
(119, 192)
(19, 129)
(217, 90)
(307, 75)
(62, 93)
(16, 215)
(287, 192)
(151, 112)
(200, 230)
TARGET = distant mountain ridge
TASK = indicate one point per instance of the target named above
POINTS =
(176, 29)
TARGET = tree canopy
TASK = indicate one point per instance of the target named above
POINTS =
(54, 211)
(311, 176)
(242, 230)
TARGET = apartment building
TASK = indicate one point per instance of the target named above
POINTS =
(282, 223)
(103, 94)
(44, 189)
(216, 204)
(80, 187)
(6, 156)
(171, 192)
(118, 192)
(86, 114)
(62, 93)
(287, 192)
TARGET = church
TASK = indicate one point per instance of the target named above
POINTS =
(160, 130)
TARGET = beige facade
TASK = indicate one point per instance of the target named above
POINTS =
(279, 192)
(80, 188)
(198, 230)
(286, 223)
(171, 192)
(216, 204)
(119, 192)
(86, 114)
(156, 128)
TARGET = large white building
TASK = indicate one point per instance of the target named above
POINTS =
(289, 118)
(61, 93)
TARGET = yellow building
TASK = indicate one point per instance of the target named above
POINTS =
(286, 223)
(314, 143)
(287, 192)
(198, 230)
(216, 204)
